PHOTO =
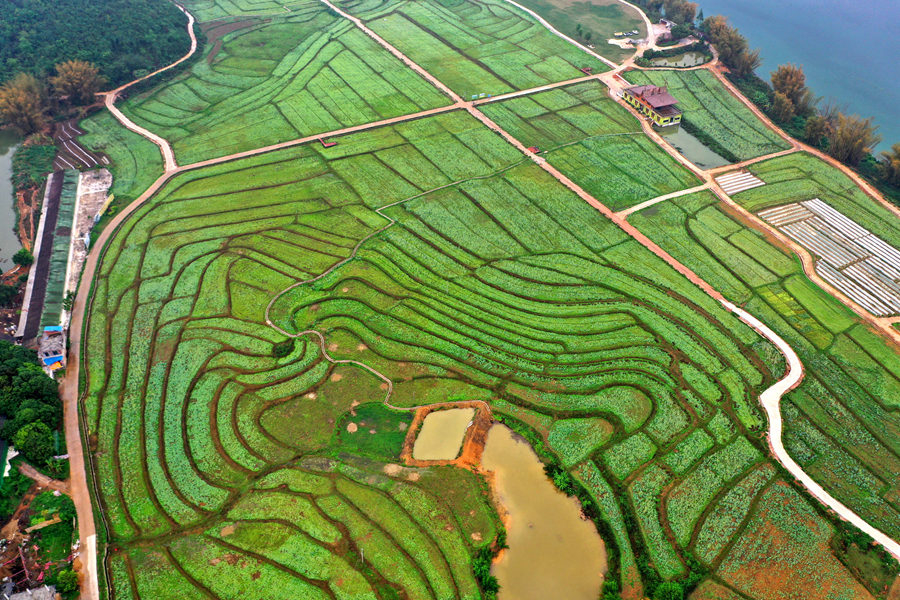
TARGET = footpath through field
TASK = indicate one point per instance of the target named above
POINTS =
(770, 398)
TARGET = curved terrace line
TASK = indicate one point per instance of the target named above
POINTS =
(69, 389)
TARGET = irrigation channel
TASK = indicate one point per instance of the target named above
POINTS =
(9, 242)
(770, 397)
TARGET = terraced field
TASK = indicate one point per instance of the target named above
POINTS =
(233, 460)
(265, 81)
(842, 422)
(733, 131)
(595, 142)
(474, 46)
(135, 160)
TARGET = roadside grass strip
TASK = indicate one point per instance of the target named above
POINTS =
(855, 261)
(476, 48)
(738, 182)
(266, 81)
(711, 109)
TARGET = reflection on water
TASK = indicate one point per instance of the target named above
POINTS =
(9, 243)
(692, 148)
(688, 59)
(552, 552)
(442, 434)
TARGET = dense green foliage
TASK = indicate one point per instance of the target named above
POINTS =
(32, 162)
(27, 394)
(124, 38)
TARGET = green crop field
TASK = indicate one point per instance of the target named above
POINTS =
(262, 82)
(481, 277)
(593, 141)
(474, 46)
(232, 460)
(842, 422)
(602, 18)
(711, 109)
(801, 176)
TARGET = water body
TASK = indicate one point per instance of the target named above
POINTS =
(692, 148)
(442, 434)
(848, 49)
(688, 59)
(552, 552)
(9, 242)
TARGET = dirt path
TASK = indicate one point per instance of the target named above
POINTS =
(623, 214)
(110, 100)
(770, 397)
(42, 480)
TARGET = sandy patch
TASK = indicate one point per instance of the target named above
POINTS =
(372, 431)
(332, 347)
(311, 396)
(414, 476)
(345, 290)
(383, 386)
(402, 426)
(362, 347)
(336, 377)
(227, 530)
(476, 536)
(625, 44)
(352, 427)
(392, 470)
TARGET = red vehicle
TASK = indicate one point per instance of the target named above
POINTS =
(534, 149)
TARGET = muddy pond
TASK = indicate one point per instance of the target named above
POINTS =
(442, 434)
(552, 553)
(688, 59)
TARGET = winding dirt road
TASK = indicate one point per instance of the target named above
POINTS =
(769, 398)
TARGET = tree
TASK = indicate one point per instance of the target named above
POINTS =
(23, 258)
(890, 165)
(731, 45)
(680, 11)
(669, 590)
(806, 104)
(679, 32)
(853, 138)
(782, 108)
(747, 62)
(7, 294)
(699, 18)
(790, 80)
(715, 26)
(587, 36)
(67, 581)
(817, 129)
(77, 79)
(23, 104)
(35, 441)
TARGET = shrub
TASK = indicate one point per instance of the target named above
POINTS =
(23, 258)
(669, 590)
(282, 349)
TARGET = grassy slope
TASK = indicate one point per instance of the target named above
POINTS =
(602, 18)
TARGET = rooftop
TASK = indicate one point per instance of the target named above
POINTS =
(657, 97)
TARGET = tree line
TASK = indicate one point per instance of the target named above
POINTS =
(126, 39)
(787, 99)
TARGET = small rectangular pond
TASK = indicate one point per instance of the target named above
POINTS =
(442, 434)
(692, 148)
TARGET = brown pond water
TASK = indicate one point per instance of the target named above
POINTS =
(692, 148)
(442, 434)
(688, 59)
(552, 552)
